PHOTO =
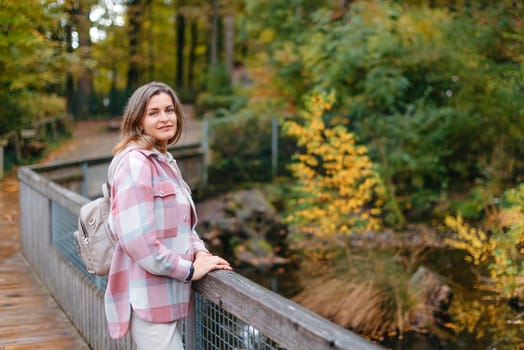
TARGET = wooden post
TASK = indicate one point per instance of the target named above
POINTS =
(18, 147)
(54, 132)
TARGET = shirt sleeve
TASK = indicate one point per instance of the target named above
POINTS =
(198, 243)
(132, 208)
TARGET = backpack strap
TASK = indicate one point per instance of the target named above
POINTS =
(114, 165)
(106, 190)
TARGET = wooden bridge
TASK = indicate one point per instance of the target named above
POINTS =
(230, 312)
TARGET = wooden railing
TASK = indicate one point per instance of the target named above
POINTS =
(48, 213)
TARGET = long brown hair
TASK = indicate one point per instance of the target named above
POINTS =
(130, 130)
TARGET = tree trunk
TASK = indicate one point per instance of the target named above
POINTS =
(180, 47)
(345, 5)
(134, 30)
(213, 37)
(69, 82)
(85, 81)
(229, 43)
(150, 45)
(192, 53)
(114, 101)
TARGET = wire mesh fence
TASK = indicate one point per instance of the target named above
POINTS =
(218, 329)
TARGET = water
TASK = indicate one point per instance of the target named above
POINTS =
(479, 321)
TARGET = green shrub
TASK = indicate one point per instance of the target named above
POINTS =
(43, 106)
(208, 103)
(218, 80)
(241, 150)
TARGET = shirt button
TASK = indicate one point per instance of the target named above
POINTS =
(161, 193)
(185, 217)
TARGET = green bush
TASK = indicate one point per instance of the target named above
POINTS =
(187, 95)
(43, 106)
(218, 80)
(208, 103)
(241, 150)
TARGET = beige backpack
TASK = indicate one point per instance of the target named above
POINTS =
(94, 240)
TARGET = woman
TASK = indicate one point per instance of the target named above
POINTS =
(158, 252)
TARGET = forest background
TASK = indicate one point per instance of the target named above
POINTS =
(397, 115)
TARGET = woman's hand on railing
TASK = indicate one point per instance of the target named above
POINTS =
(205, 263)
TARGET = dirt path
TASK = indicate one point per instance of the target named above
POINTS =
(93, 139)
(9, 226)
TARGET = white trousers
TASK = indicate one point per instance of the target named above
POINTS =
(156, 336)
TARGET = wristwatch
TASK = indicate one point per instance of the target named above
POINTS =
(191, 272)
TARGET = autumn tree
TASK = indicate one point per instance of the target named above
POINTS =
(31, 62)
(339, 190)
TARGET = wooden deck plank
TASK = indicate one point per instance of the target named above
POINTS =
(29, 317)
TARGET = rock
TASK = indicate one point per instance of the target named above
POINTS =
(243, 225)
(436, 296)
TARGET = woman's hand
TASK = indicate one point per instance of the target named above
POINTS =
(201, 253)
(205, 262)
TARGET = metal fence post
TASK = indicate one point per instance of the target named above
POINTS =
(85, 168)
(198, 321)
(205, 150)
(190, 328)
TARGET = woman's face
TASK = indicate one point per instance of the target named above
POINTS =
(159, 120)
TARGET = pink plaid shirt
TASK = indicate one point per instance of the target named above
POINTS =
(154, 217)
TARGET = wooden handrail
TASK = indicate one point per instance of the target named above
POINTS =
(286, 322)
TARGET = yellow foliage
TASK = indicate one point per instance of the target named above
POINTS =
(474, 241)
(267, 35)
(340, 190)
(286, 54)
(501, 249)
(422, 28)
